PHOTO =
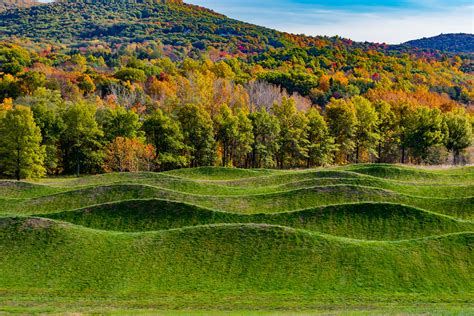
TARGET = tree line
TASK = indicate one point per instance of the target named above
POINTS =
(47, 135)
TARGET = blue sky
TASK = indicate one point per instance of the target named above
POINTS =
(390, 21)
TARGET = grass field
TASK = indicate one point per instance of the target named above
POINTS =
(358, 240)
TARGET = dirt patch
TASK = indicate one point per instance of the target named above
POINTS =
(37, 223)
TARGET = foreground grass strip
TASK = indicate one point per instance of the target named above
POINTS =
(40, 254)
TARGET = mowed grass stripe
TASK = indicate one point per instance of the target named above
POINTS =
(285, 201)
(371, 221)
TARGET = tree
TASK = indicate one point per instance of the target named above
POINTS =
(321, 145)
(9, 87)
(119, 122)
(30, 81)
(426, 129)
(13, 59)
(265, 130)
(131, 74)
(168, 140)
(385, 125)
(22, 155)
(47, 107)
(292, 139)
(403, 112)
(244, 142)
(226, 133)
(198, 132)
(366, 136)
(128, 155)
(86, 84)
(459, 133)
(81, 138)
(342, 123)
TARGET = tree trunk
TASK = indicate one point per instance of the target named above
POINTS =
(17, 169)
(456, 157)
(380, 153)
(78, 165)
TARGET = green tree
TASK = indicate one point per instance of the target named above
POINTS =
(321, 145)
(342, 123)
(166, 136)
(131, 74)
(81, 138)
(48, 106)
(244, 142)
(13, 59)
(404, 111)
(265, 130)
(292, 139)
(226, 127)
(426, 128)
(366, 135)
(22, 155)
(459, 133)
(119, 122)
(385, 125)
(198, 132)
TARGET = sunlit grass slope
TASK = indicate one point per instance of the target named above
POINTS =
(218, 239)
(41, 254)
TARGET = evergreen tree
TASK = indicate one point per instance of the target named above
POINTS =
(21, 153)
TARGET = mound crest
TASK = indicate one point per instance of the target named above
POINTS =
(371, 221)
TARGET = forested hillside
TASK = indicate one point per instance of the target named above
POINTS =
(152, 85)
(454, 43)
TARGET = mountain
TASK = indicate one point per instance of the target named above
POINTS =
(319, 67)
(11, 4)
(112, 22)
(452, 43)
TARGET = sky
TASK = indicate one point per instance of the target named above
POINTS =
(383, 21)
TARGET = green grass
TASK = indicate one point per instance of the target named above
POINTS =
(284, 201)
(40, 253)
(370, 221)
(358, 240)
